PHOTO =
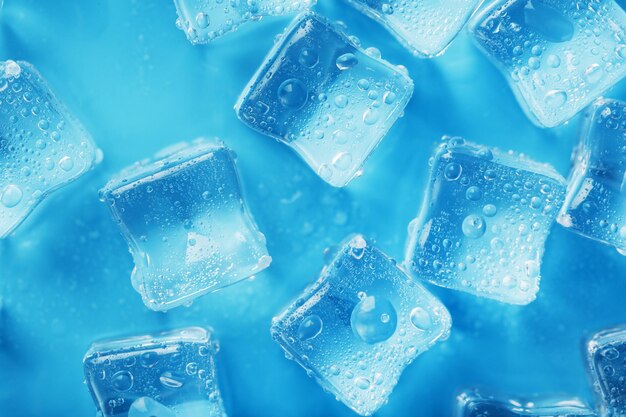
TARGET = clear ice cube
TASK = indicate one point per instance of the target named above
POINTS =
(424, 27)
(360, 324)
(595, 205)
(558, 55)
(186, 223)
(42, 146)
(325, 97)
(606, 352)
(203, 20)
(483, 223)
(171, 374)
(473, 404)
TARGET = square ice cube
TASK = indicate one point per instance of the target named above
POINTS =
(186, 223)
(204, 20)
(424, 27)
(171, 374)
(595, 205)
(473, 404)
(360, 324)
(606, 352)
(483, 223)
(558, 55)
(325, 97)
(42, 146)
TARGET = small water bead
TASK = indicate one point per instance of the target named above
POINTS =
(334, 370)
(610, 353)
(367, 319)
(202, 20)
(371, 116)
(340, 137)
(308, 57)
(292, 94)
(490, 210)
(122, 381)
(389, 97)
(362, 383)
(555, 98)
(474, 226)
(346, 61)
(553, 61)
(148, 359)
(452, 171)
(66, 163)
(593, 73)
(43, 124)
(474, 193)
(11, 196)
(172, 380)
(310, 328)
(363, 84)
(342, 161)
(341, 101)
(420, 318)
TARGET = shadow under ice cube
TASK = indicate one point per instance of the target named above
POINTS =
(205, 20)
(558, 55)
(424, 27)
(172, 374)
(325, 97)
(360, 324)
(595, 205)
(42, 146)
(186, 223)
(484, 221)
(473, 404)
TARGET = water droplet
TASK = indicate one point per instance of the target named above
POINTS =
(342, 161)
(490, 210)
(310, 328)
(341, 101)
(147, 407)
(11, 196)
(553, 61)
(593, 73)
(452, 171)
(203, 20)
(371, 116)
(122, 381)
(362, 383)
(366, 319)
(172, 380)
(610, 353)
(292, 94)
(148, 359)
(474, 226)
(420, 318)
(66, 163)
(308, 57)
(474, 193)
(555, 98)
(346, 61)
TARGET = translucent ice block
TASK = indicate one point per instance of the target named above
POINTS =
(424, 27)
(325, 97)
(204, 20)
(558, 55)
(171, 374)
(483, 223)
(473, 404)
(186, 223)
(42, 146)
(359, 325)
(595, 205)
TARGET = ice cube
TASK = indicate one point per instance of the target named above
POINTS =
(484, 221)
(558, 55)
(595, 205)
(606, 352)
(424, 27)
(186, 223)
(325, 97)
(155, 375)
(202, 20)
(42, 146)
(473, 404)
(360, 324)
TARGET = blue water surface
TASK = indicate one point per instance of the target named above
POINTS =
(138, 85)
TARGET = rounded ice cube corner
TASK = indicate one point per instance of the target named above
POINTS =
(308, 90)
(185, 220)
(362, 302)
(483, 222)
(555, 62)
(45, 146)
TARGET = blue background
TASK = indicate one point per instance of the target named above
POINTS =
(135, 82)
